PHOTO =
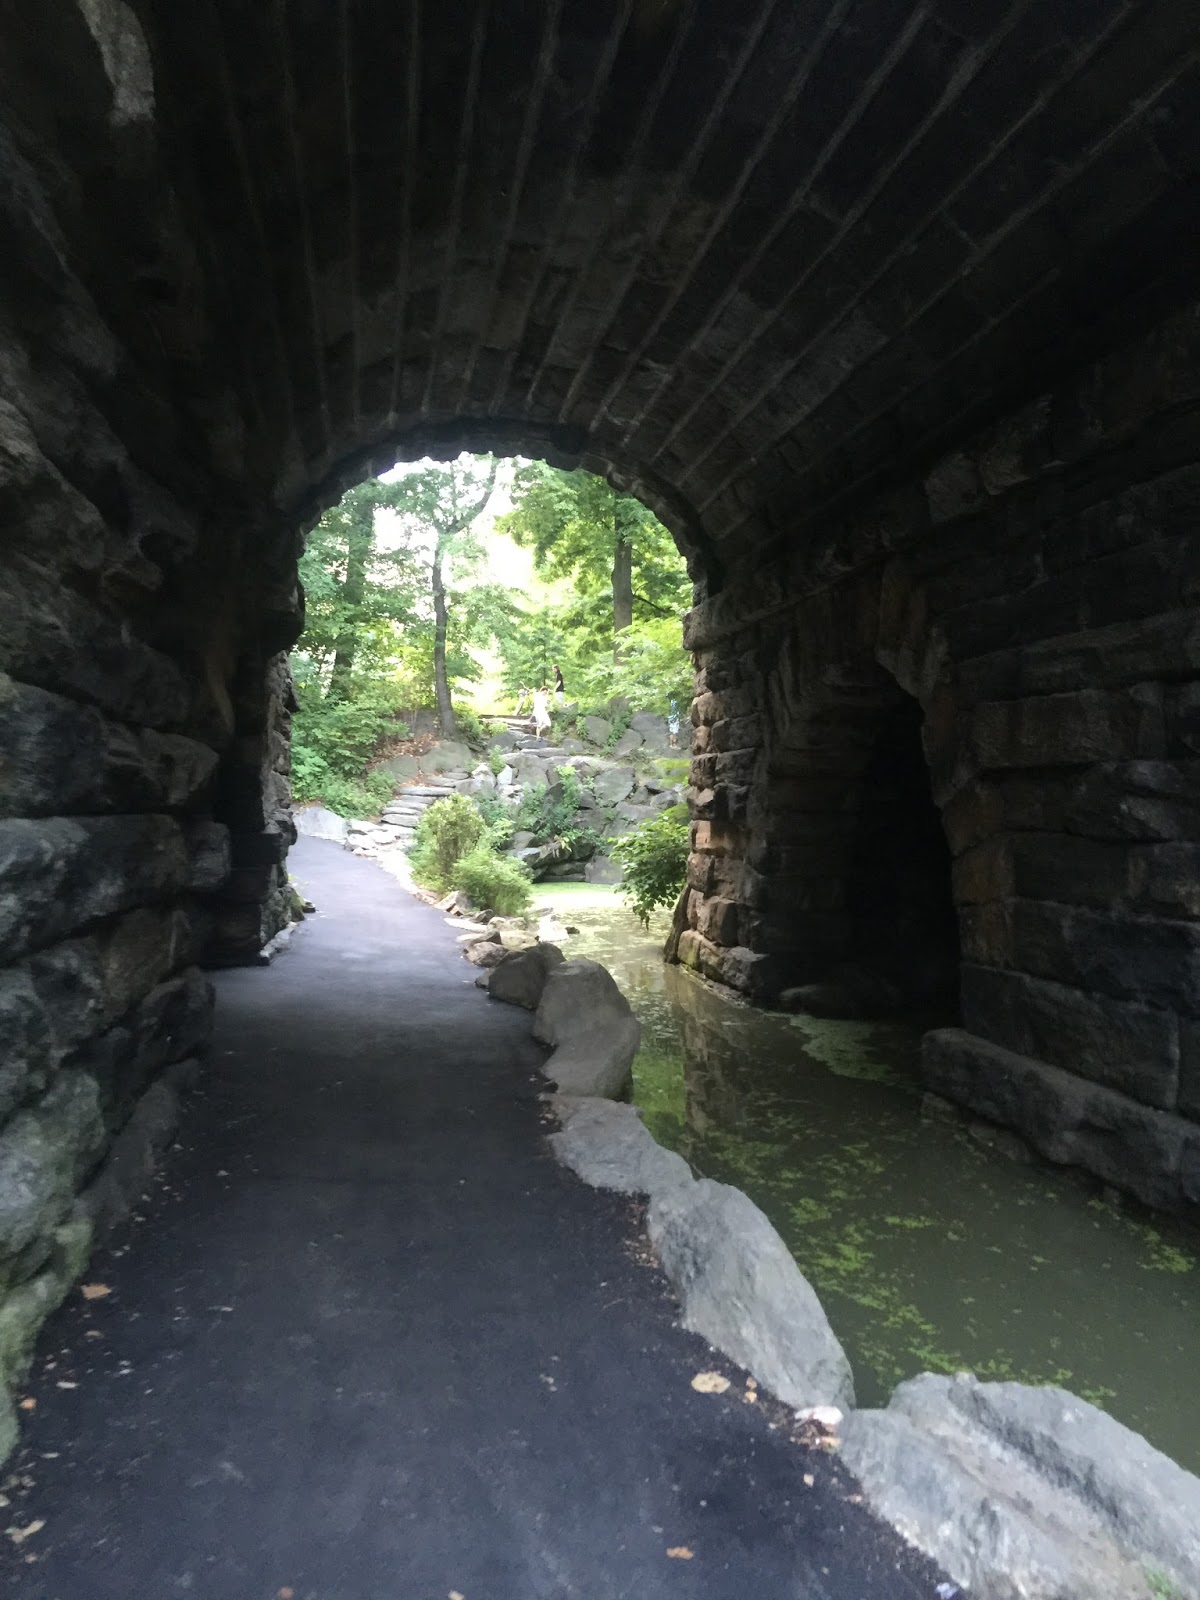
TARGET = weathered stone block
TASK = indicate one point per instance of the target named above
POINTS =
(28, 1049)
(1145, 959)
(797, 932)
(1137, 800)
(57, 874)
(1063, 1116)
(1166, 878)
(1073, 871)
(717, 920)
(44, 1153)
(1125, 1046)
(1189, 1068)
(1126, 652)
(210, 856)
(1064, 729)
(51, 637)
(984, 873)
(973, 814)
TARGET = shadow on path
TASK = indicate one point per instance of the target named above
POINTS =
(371, 1343)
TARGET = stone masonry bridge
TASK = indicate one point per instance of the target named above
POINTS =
(887, 307)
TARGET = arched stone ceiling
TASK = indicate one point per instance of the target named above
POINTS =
(754, 255)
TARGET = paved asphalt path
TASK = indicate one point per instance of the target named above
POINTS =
(369, 1342)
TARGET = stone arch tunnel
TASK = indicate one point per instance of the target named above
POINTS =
(886, 306)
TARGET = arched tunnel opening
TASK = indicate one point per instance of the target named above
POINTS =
(888, 312)
(900, 894)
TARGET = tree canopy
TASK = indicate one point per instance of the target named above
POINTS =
(623, 563)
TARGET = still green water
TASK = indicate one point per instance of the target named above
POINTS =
(929, 1249)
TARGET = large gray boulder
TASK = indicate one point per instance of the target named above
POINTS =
(652, 728)
(597, 729)
(741, 1290)
(520, 976)
(448, 756)
(1028, 1493)
(316, 822)
(612, 785)
(530, 771)
(588, 1020)
(607, 1144)
(629, 741)
(400, 767)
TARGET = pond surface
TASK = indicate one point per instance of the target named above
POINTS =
(928, 1248)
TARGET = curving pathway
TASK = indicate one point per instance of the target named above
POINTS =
(371, 1343)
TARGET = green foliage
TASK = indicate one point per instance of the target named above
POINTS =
(333, 738)
(654, 860)
(652, 670)
(546, 815)
(468, 724)
(449, 829)
(494, 882)
(497, 760)
(498, 816)
(349, 797)
(573, 520)
(1162, 1586)
(621, 717)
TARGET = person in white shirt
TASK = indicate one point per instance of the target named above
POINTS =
(541, 711)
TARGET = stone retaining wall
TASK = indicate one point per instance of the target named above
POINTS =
(144, 821)
(1037, 597)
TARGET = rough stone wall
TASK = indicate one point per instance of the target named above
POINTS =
(143, 752)
(1037, 594)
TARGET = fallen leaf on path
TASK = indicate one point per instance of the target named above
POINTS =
(19, 1535)
(809, 1480)
(286, 1594)
(94, 1291)
(63, 1384)
(710, 1383)
(680, 1552)
(28, 1405)
(454, 1595)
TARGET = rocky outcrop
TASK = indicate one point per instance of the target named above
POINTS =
(738, 1285)
(1028, 1494)
(317, 822)
(741, 1290)
(592, 1030)
(519, 976)
(606, 1143)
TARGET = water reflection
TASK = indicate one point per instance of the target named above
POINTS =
(928, 1247)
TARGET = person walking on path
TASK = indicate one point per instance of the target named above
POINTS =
(560, 688)
(541, 712)
(673, 724)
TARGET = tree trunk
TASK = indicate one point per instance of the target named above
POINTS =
(622, 586)
(441, 685)
(360, 545)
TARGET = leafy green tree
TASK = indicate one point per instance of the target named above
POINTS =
(654, 860)
(358, 597)
(620, 558)
(441, 503)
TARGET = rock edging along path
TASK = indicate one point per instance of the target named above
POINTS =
(372, 1343)
(1022, 1493)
